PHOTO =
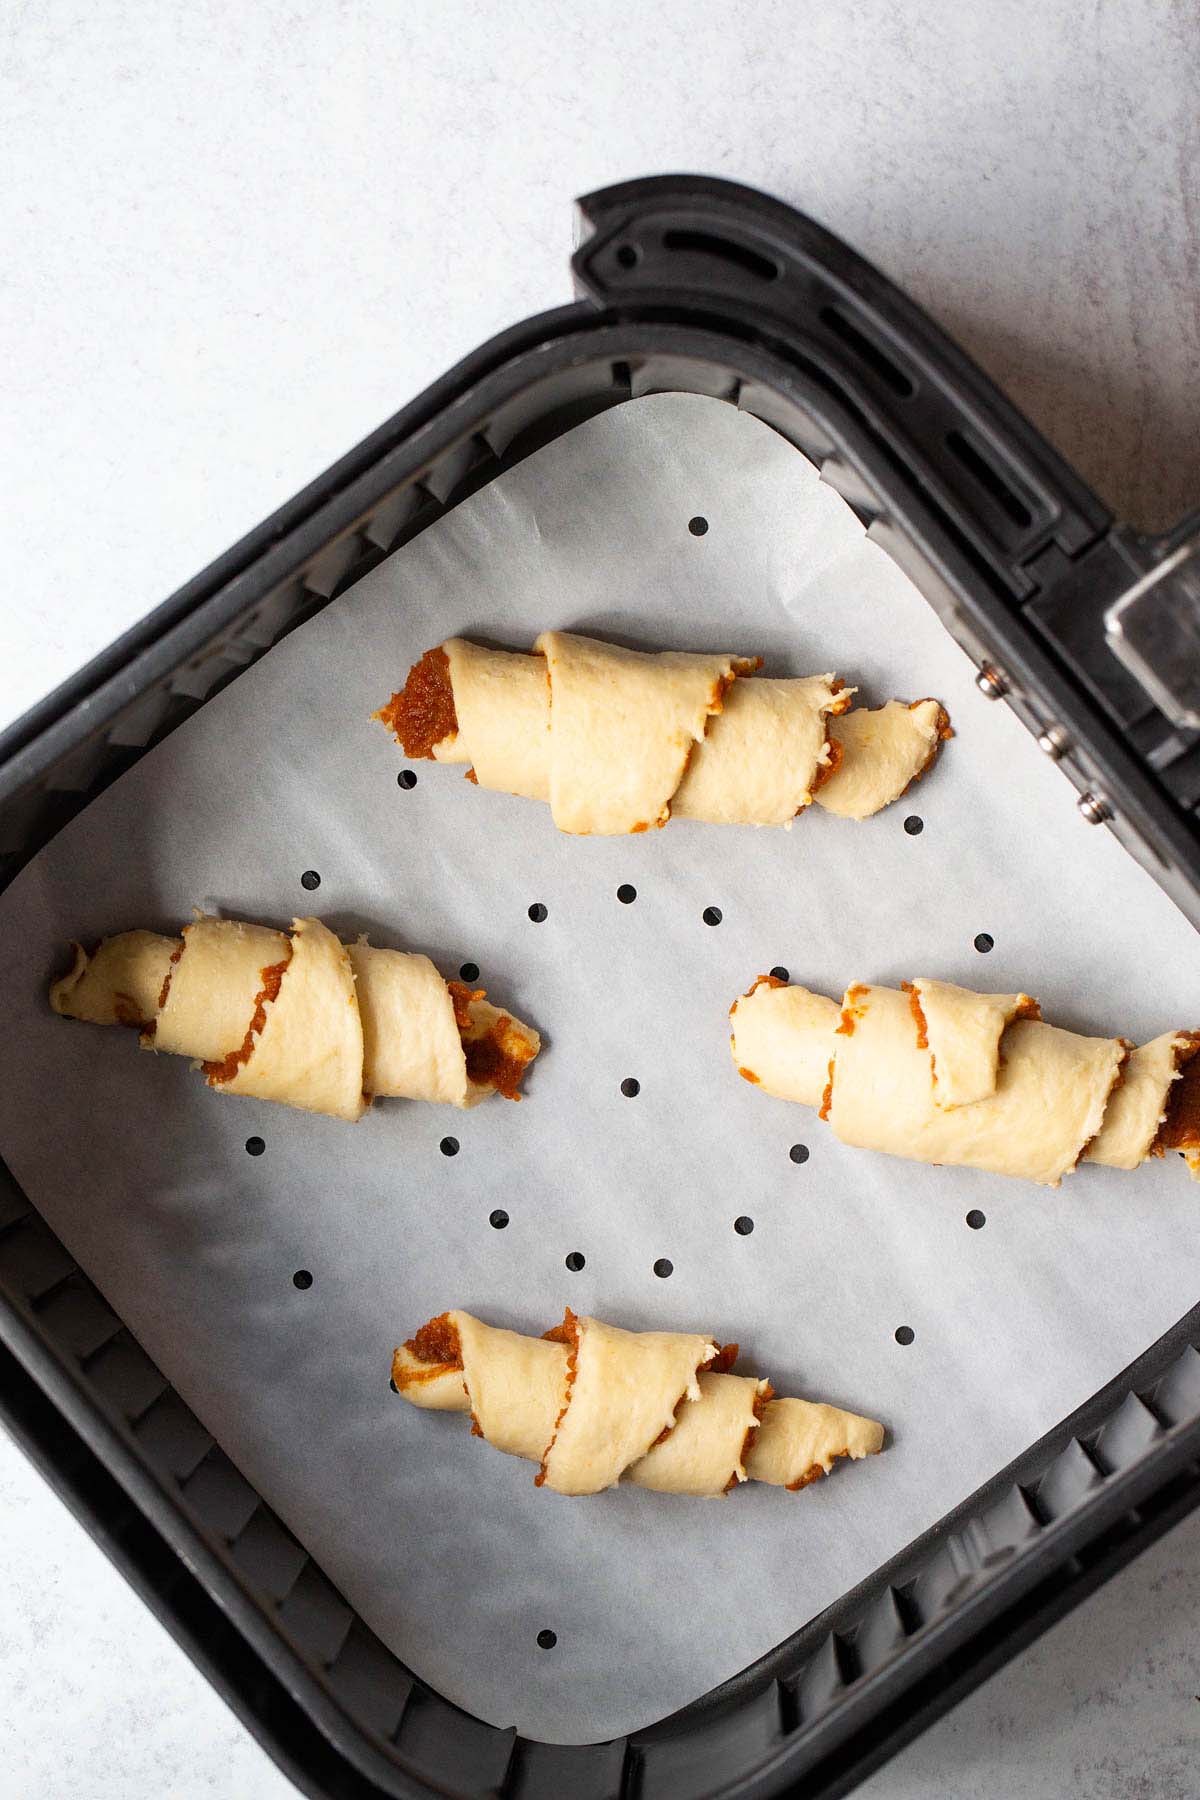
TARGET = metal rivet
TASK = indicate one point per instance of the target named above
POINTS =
(991, 683)
(1053, 742)
(1094, 808)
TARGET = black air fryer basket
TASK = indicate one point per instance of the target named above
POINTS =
(1089, 631)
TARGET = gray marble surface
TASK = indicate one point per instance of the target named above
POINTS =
(238, 237)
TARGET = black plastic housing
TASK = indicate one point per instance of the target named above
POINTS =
(699, 286)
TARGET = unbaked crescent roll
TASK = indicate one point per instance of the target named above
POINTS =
(622, 740)
(594, 1405)
(301, 1018)
(940, 1074)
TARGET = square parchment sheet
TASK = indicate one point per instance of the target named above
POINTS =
(443, 1546)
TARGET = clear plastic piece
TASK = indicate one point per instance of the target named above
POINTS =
(1154, 629)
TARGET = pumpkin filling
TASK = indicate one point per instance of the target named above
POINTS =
(496, 1058)
(1180, 1130)
(422, 714)
(272, 979)
(567, 1333)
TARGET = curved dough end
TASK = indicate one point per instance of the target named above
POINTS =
(884, 750)
(782, 1039)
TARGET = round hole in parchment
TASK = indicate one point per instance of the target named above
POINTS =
(985, 942)
(449, 1146)
(914, 825)
(576, 1261)
(626, 893)
(407, 778)
(799, 1153)
(712, 915)
(976, 1220)
(538, 913)
(469, 972)
(698, 526)
(498, 1220)
(255, 1146)
(546, 1640)
(310, 880)
(631, 1087)
(302, 1279)
(743, 1226)
(780, 973)
(664, 1267)
(905, 1334)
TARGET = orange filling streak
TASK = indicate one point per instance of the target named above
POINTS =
(813, 1474)
(437, 1342)
(166, 986)
(149, 1030)
(716, 700)
(922, 1024)
(827, 1096)
(836, 751)
(749, 1075)
(760, 1400)
(918, 1013)
(851, 1014)
(272, 977)
(461, 997)
(742, 665)
(721, 1364)
(1180, 1130)
(760, 981)
(422, 713)
(944, 731)
(500, 1058)
(436, 1345)
(567, 1333)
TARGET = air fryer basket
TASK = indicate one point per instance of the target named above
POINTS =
(1086, 629)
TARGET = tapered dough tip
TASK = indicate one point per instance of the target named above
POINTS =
(62, 988)
(884, 750)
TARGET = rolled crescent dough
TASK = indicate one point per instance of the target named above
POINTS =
(940, 1074)
(962, 1032)
(620, 740)
(593, 1405)
(302, 1019)
(884, 750)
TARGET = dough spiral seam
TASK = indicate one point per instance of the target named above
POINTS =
(942, 1074)
(619, 741)
(591, 1405)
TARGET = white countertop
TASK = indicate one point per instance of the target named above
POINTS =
(236, 238)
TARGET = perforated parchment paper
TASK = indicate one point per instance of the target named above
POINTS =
(441, 1543)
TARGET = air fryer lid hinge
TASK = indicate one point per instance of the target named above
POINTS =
(1153, 627)
(1126, 616)
(1068, 610)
